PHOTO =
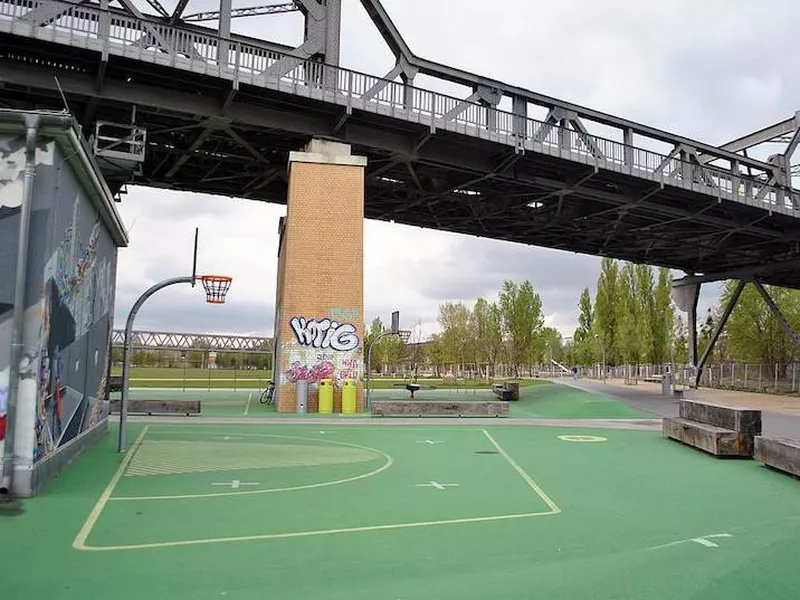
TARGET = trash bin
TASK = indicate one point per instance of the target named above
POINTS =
(301, 396)
(349, 389)
(325, 396)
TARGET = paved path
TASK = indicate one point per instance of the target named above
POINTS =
(780, 414)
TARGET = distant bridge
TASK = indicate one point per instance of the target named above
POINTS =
(162, 340)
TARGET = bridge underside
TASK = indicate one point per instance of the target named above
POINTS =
(206, 137)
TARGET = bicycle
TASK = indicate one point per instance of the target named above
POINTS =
(268, 394)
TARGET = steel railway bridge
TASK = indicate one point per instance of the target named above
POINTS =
(166, 101)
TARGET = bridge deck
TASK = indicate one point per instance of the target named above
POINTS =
(225, 127)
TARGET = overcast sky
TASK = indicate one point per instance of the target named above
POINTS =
(710, 70)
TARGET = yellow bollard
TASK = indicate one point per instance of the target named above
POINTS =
(349, 389)
(325, 396)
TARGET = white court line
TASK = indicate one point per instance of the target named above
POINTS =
(528, 479)
(83, 534)
(247, 407)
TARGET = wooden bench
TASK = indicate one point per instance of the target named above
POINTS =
(717, 429)
(115, 383)
(779, 453)
(150, 407)
(439, 408)
(506, 391)
(653, 378)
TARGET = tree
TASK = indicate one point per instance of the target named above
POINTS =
(521, 308)
(662, 320)
(487, 334)
(456, 338)
(583, 346)
(607, 308)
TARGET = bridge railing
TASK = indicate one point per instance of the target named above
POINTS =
(148, 39)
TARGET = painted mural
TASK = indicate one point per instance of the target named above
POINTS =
(68, 303)
(322, 348)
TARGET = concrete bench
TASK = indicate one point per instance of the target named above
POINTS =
(714, 428)
(506, 391)
(778, 453)
(709, 438)
(150, 407)
(745, 420)
(426, 408)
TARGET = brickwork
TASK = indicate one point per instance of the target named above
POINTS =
(321, 276)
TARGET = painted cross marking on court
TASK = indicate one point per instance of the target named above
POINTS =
(438, 486)
(235, 484)
(431, 442)
(703, 540)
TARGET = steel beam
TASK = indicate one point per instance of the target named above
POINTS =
(777, 313)
(717, 331)
(761, 136)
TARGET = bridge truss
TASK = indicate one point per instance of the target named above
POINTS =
(163, 340)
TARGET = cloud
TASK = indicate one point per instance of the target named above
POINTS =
(704, 70)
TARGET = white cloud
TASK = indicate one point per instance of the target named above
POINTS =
(704, 70)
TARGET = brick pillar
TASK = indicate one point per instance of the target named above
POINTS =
(320, 293)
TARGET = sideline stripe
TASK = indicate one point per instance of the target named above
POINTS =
(275, 536)
(83, 534)
(528, 479)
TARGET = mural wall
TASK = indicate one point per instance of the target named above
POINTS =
(326, 347)
(69, 300)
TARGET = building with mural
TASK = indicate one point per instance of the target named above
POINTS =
(56, 303)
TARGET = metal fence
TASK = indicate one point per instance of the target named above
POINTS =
(777, 378)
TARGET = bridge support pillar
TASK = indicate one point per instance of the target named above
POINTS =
(686, 297)
(319, 321)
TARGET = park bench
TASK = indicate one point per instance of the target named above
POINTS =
(115, 383)
(717, 429)
(506, 391)
(779, 453)
(150, 407)
(653, 378)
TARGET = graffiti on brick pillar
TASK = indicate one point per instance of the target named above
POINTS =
(325, 334)
(322, 348)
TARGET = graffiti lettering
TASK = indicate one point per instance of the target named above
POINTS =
(324, 333)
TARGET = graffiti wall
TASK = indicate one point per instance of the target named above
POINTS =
(69, 300)
(322, 348)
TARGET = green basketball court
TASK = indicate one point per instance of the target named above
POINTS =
(362, 510)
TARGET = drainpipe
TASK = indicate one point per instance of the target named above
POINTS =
(20, 282)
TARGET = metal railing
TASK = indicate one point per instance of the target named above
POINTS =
(776, 378)
(152, 41)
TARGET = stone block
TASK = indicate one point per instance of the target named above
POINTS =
(709, 438)
(423, 408)
(778, 453)
(149, 407)
(743, 420)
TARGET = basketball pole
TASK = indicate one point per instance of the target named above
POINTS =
(126, 353)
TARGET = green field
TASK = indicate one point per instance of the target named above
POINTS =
(364, 512)
(178, 378)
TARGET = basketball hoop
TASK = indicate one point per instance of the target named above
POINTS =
(405, 335)
(216, 287)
